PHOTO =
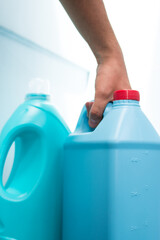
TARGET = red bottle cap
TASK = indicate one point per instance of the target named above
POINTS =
(126, 94)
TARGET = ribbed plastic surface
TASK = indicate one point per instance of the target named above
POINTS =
(126, 94)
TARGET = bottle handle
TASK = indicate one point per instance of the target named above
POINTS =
(7, 138)
(82, 125)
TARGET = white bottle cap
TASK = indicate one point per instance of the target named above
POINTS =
(38, 89)
(39, 86)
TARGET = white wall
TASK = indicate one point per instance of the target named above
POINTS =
(136, 24)
(33, 19)
(153, 101)
(46, 23)
(22, 60)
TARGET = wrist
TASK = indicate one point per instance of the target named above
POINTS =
(113, 65)
(109, 53)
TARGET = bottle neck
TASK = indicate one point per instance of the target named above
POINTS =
(119, 103)
(35, 96)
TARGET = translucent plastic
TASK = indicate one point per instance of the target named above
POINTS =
(111, 177)
(39, 86)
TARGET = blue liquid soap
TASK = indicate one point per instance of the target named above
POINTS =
(30, 201)
(112, 175)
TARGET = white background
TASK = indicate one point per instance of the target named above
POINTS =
(136, 24)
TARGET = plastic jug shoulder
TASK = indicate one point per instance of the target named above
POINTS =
(30, 200)
(111, 175)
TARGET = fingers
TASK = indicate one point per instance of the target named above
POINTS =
(95, 111)
(111, 76)
(88, 106)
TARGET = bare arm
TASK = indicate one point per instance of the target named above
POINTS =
(90, 18)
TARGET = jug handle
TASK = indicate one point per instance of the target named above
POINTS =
(82, 125)
(5, 144)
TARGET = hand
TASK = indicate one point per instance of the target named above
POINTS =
(111, 76)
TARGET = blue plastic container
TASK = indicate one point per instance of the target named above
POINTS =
(31, 200)
(112, 176)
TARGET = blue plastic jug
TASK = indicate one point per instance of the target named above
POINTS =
(31, 199)
(112, 176)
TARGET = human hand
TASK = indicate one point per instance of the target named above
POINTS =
(111, 76)
(91, 20)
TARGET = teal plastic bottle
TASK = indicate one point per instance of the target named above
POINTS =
(111, 175)
(31, 199)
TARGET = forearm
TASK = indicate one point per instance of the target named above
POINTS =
(90, 18)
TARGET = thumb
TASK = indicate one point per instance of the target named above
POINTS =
(96, 111)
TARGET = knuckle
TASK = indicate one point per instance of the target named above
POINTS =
(104, 93)
(95, 113)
